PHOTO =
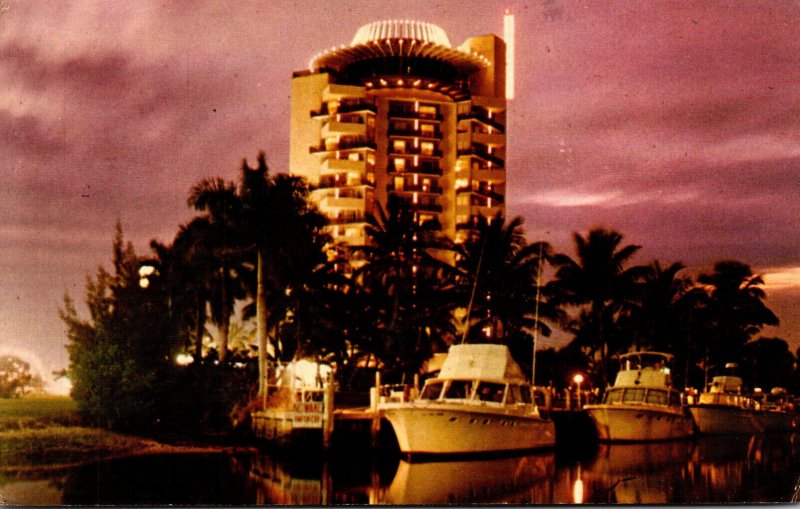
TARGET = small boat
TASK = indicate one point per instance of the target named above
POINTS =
(777, 412)
(725, 407)
(642, 405)
(479, 403)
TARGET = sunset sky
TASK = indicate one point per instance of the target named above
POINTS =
(675, 123)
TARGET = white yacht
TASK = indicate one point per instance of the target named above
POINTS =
(480, 402)
(725, 407)
(777, 412)
(642, 405)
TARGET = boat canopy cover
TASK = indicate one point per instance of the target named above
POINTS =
(726, 383)
(480, 362)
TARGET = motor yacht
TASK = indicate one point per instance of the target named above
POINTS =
(642, 405)
(479, 403)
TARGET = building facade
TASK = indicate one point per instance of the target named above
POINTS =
(401, 112)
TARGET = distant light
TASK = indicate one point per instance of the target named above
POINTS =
(577, 492)
(508, 35)
(183, 359)
(578, 379)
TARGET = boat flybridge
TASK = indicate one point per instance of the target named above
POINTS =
(642, 405)
(479, 403)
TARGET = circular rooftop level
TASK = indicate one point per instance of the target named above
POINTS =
(392, 39)
(401, 29)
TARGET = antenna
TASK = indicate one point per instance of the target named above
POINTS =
(508, 36)
(536, 313)
(474, 287)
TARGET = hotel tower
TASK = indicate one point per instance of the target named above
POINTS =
(400, 111)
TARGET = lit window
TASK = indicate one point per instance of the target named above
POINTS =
(427, 148)
(399, 164)
(399, 183)
(354, 156)
(427, 130)
(428, 111)
(399, 146)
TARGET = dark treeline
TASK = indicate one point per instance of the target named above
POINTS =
(256, 264)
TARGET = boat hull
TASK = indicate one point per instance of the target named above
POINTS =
(716, 419)
(445, 429)
(640, 423)
(777, 421)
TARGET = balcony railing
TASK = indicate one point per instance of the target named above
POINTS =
(347, 219)
(417, 133)
(408, 112)
(481, 154)
(421, 169)
(345, 107)
(341, 145)
(411, 188)
(330, 182)
(484, 119)
(411, 151)
(483, 193)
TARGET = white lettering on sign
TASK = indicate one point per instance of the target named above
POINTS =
(307, 414)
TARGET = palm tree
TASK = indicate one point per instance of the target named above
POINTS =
(657, 315)
(731, 301)
(217, 235)
(406, 276)
(500, 276)
(276, 215)
(597, 278)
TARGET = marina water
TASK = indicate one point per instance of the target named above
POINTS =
(725, 469)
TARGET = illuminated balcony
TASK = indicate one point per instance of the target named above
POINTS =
(493, 139)
(333, 165)
(334, 128)
(333, 203)
(332, 146)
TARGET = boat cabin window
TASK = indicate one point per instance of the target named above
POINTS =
(525, 394)
(674, 398)
(656, 397)
(458, 389)
(432, 390)
(633, 396)
(488, 391)
(513, 395)
(614, 396)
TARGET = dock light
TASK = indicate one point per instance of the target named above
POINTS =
(578, 379)
(145, 271)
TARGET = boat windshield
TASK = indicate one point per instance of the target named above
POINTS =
(649, 396)
(432, 390)
(490, 391)
(458, 389)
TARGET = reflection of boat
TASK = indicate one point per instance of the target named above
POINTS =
(724, 408)
(642, 405)
(520, 479)
(777, 412)
(480, 402)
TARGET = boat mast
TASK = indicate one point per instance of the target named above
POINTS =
(536, 314)
(474, 287)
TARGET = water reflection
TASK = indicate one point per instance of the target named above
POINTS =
(711, 470)
(525, 479)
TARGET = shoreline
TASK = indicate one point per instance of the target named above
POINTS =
(149, 447)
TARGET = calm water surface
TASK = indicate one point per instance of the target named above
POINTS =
(716, 470)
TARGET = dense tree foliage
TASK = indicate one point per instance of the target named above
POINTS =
(258, 247)
(17, 378)
(122, 358)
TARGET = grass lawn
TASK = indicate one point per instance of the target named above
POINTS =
(46, 430)
(36, 412)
